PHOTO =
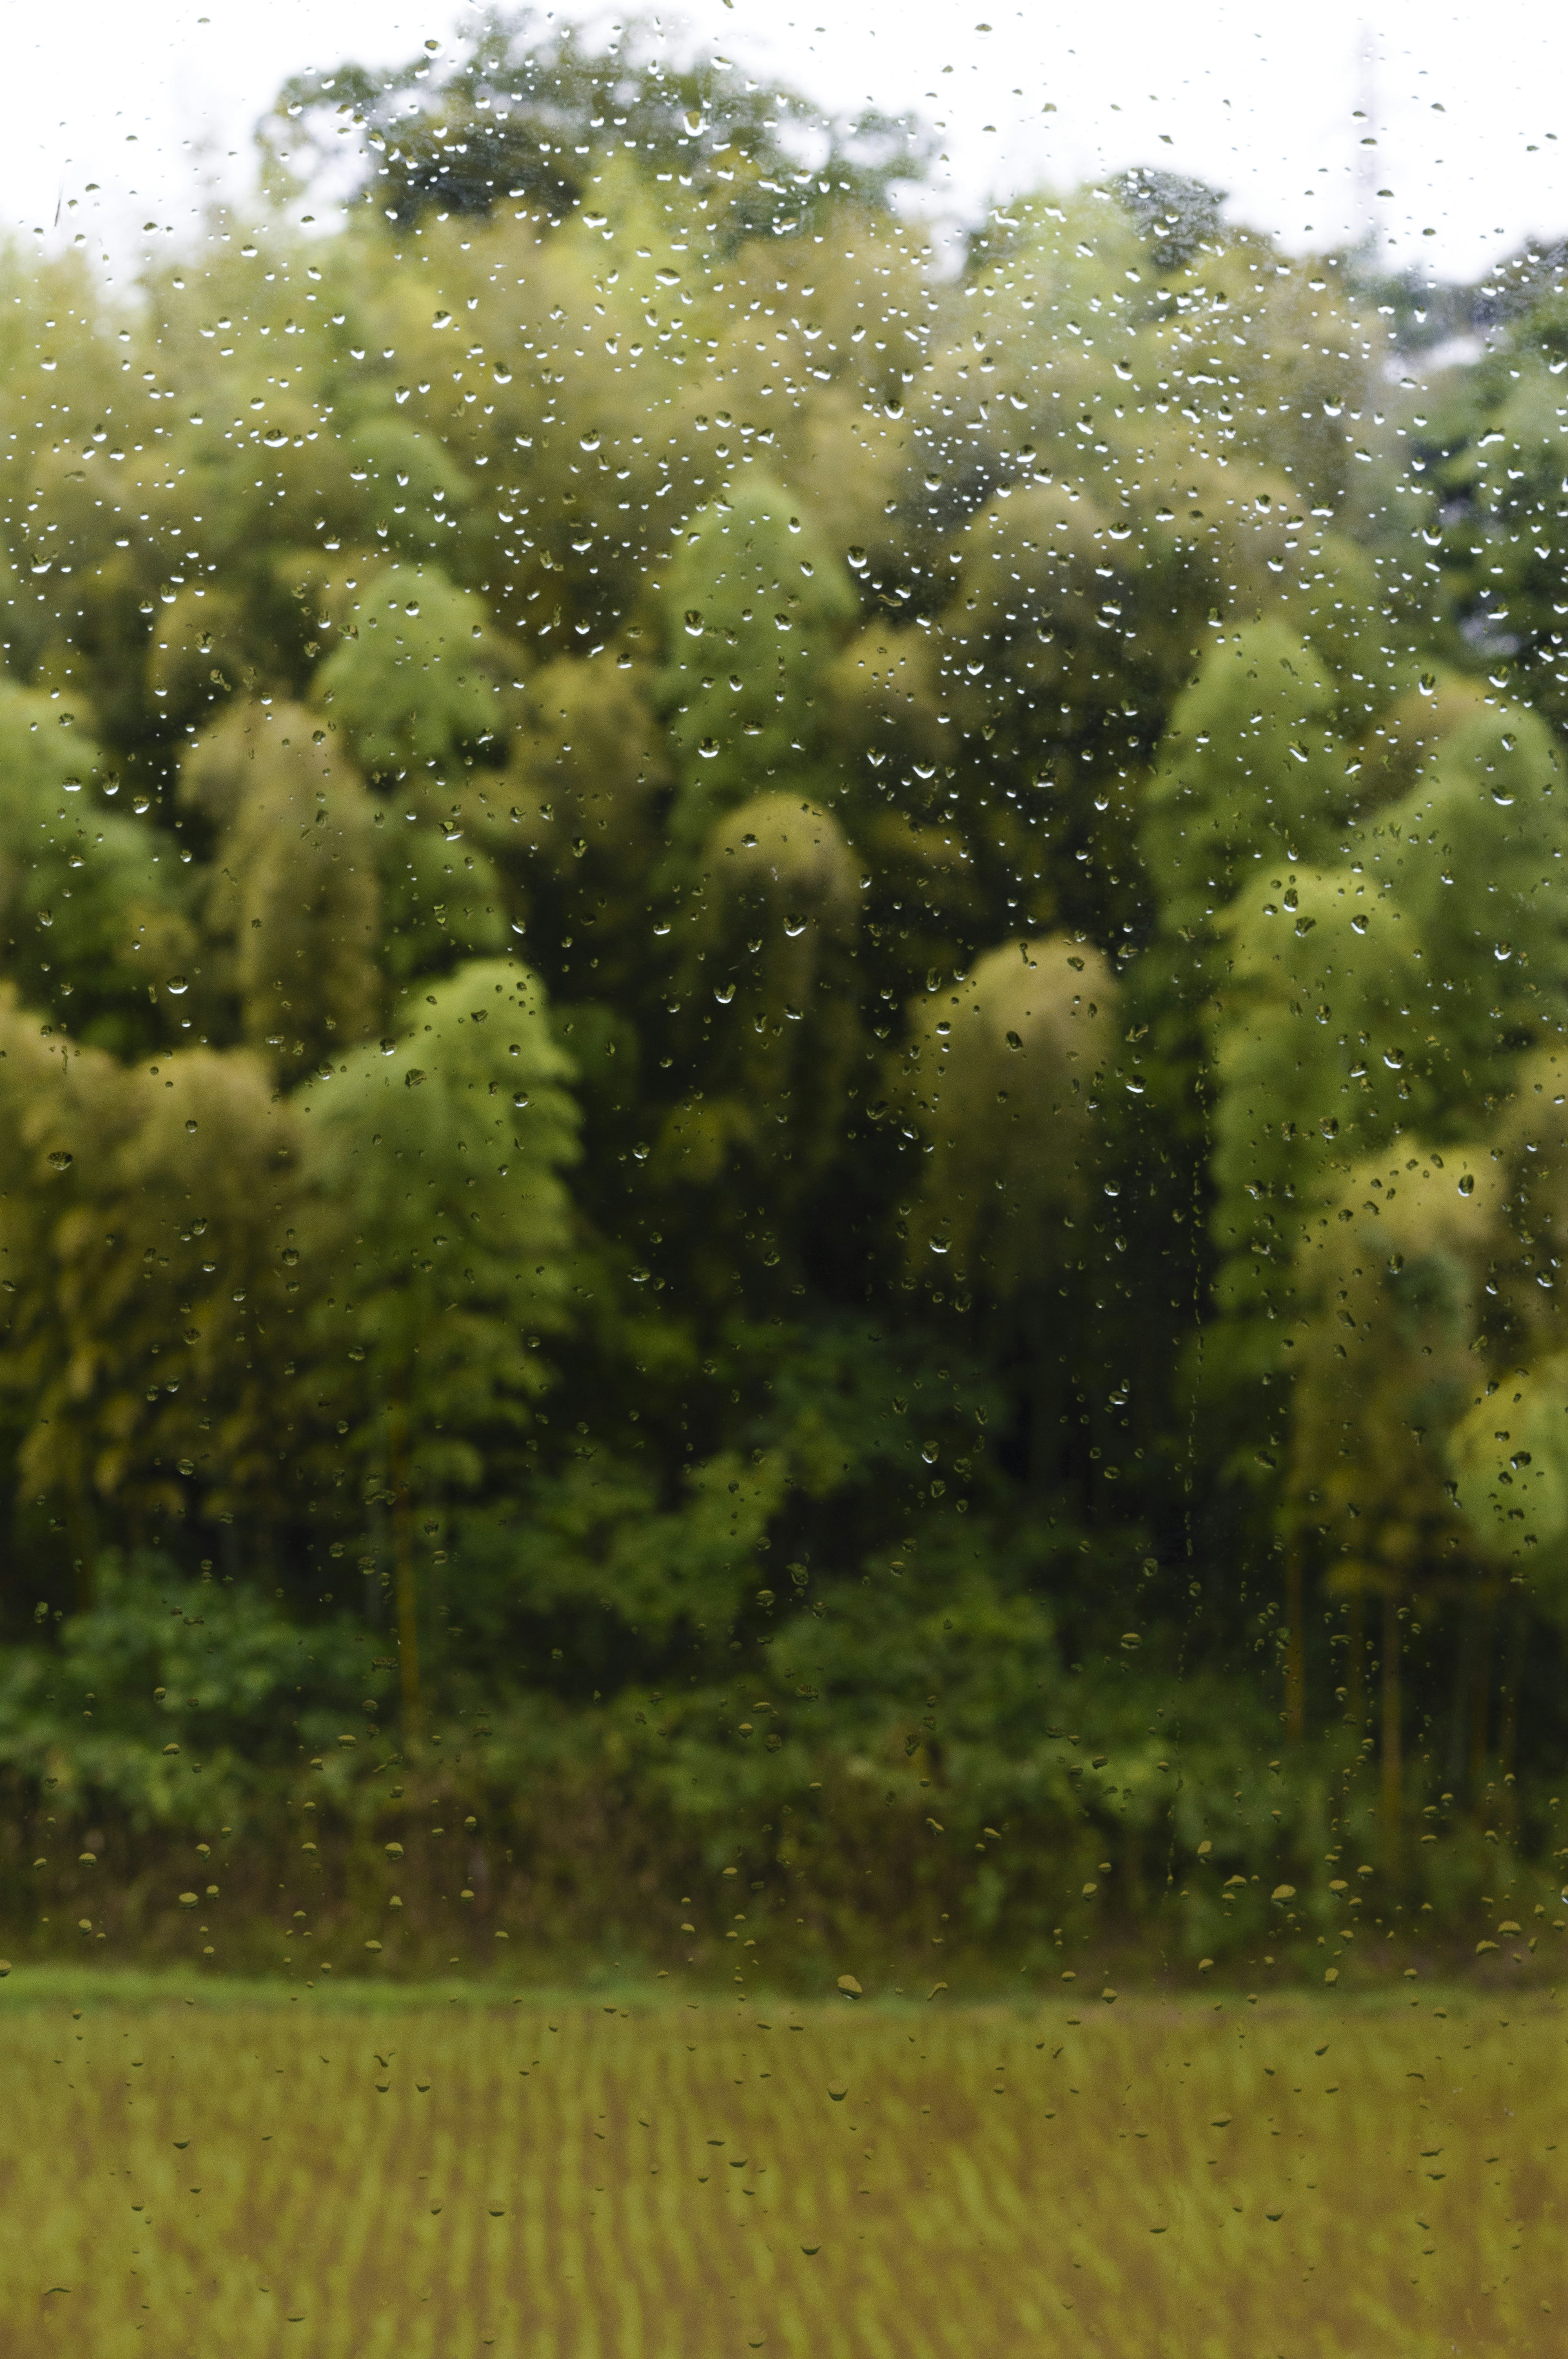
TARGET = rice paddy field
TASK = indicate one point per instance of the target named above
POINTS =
(236, 2174)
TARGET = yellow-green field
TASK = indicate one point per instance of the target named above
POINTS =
(694, 2181)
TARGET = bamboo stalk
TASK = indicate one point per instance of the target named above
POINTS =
(1394, 1748)
(403, 1576)
(1295, 1636)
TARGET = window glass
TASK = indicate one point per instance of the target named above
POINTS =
(784, 1120)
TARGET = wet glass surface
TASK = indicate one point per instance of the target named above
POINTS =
(781, 1056)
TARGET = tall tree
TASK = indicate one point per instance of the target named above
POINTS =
(440, 1255)
(295, 897)
(755, 609)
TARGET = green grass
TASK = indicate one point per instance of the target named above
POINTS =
(133, 1989)
(373, 2174)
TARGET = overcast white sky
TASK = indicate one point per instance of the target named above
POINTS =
(139, 95)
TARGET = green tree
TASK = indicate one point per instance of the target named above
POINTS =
(1395, 991)
(1251, 770)
(755, 608)
(149, 1225)
(1386, 1366)
(1492, 454)
(442, 1241)
(92, 925)
(512, 114)
(771, 1023)
(294, 898)
(1002, 1077)
(417, 682)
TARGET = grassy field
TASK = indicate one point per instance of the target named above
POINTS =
(243, 2172)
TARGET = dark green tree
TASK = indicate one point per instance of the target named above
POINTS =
(440, 1250)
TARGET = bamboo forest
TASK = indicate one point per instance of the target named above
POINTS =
(832, 1161)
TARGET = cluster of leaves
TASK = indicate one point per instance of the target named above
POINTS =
(179, 1710)
(1031, 1071)
(514, 115)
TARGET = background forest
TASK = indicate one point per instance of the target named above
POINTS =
(833, 1148)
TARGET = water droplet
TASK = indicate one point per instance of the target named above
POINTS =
(412, 1079)
(60, 1159)
(1467, 1184)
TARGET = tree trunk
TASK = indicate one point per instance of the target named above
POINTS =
(1507, 1712)
(403, 1564)
(81, 1524)
(1393, 1751)
(1295, 1636)
(1356, 1668)
(1480, 1697)
(83, 1533)
(1464, 1661)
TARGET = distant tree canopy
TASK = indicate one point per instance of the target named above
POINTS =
(516, 113)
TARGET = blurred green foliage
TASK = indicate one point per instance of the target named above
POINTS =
(722, 947)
